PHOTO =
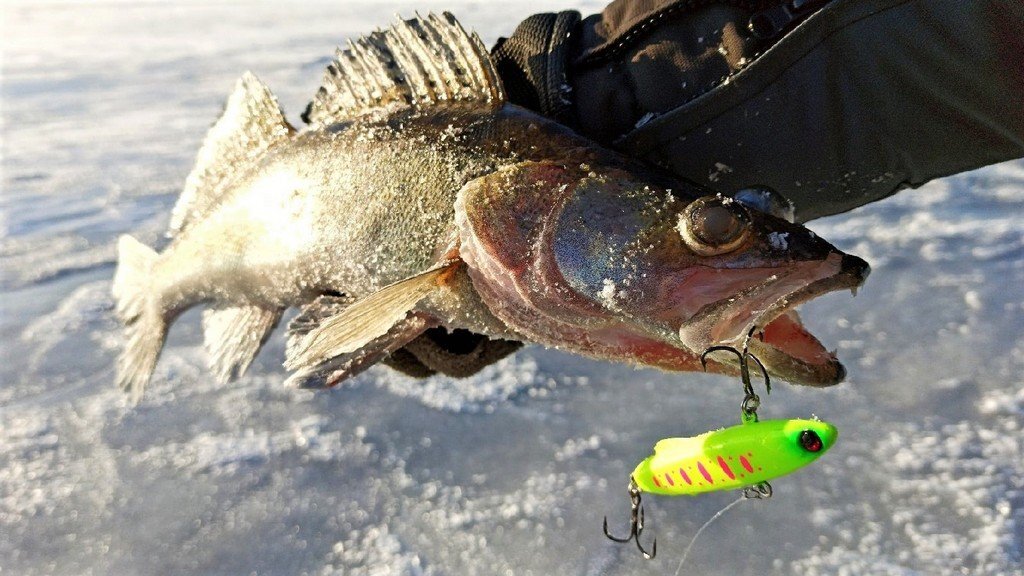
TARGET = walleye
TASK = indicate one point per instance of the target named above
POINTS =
(418, 200)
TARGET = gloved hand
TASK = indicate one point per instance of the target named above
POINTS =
(833, 104)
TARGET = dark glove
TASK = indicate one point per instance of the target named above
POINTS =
(833, 104)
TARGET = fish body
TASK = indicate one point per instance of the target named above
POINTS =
(735, 457)
(353, 207)
(418, 198)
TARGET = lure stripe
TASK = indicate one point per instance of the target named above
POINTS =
(685, 476)
(746, 464)
(725, 468)
(704, 472)
(668, 478)
(656, 483)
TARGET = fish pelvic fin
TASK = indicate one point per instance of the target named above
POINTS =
(251, 124)
(138, 308)
(418, 63)
(233, 337)
(367, 319)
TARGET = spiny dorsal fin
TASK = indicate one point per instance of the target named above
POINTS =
(418, 62)
(251, 123)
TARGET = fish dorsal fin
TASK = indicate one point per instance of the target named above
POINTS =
(416, 63)
(252, 122)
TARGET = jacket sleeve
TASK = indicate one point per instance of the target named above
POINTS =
(835, 104)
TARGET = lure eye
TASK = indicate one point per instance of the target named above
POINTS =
(810, 441)
(709, 226)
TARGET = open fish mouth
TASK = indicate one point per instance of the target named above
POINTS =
(782, 344)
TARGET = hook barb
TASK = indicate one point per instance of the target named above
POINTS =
(744, 356)
(636, 523)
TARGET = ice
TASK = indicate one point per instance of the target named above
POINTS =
(950, 502)
(779, 240)
(509, 472)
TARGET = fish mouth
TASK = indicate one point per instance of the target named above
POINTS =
(782, 344)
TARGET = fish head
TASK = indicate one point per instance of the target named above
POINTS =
(611, 265)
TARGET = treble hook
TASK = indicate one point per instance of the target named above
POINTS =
(761, 491)
(751, 401)
(636, 523)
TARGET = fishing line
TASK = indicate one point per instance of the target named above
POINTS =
(701, 529)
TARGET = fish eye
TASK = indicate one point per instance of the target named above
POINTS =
(710, 225)
(810, 441)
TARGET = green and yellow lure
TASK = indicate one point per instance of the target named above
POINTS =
(745, 456)
(735, 457)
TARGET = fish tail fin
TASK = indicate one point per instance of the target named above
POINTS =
(139, 310)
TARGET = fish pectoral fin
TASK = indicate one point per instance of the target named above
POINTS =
(330, 372)
(366, 319)
(312, 315)
(233, 337)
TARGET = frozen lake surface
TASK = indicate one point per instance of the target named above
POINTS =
(104, 106)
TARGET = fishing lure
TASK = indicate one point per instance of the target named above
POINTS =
(745, 456)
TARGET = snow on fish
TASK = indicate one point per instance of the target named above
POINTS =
(418, 205)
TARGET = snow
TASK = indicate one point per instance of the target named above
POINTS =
(645, 119)
(509, 472)
(779, 240)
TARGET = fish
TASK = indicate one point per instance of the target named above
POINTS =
(418, 204)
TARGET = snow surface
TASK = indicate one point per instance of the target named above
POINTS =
(509, 472)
